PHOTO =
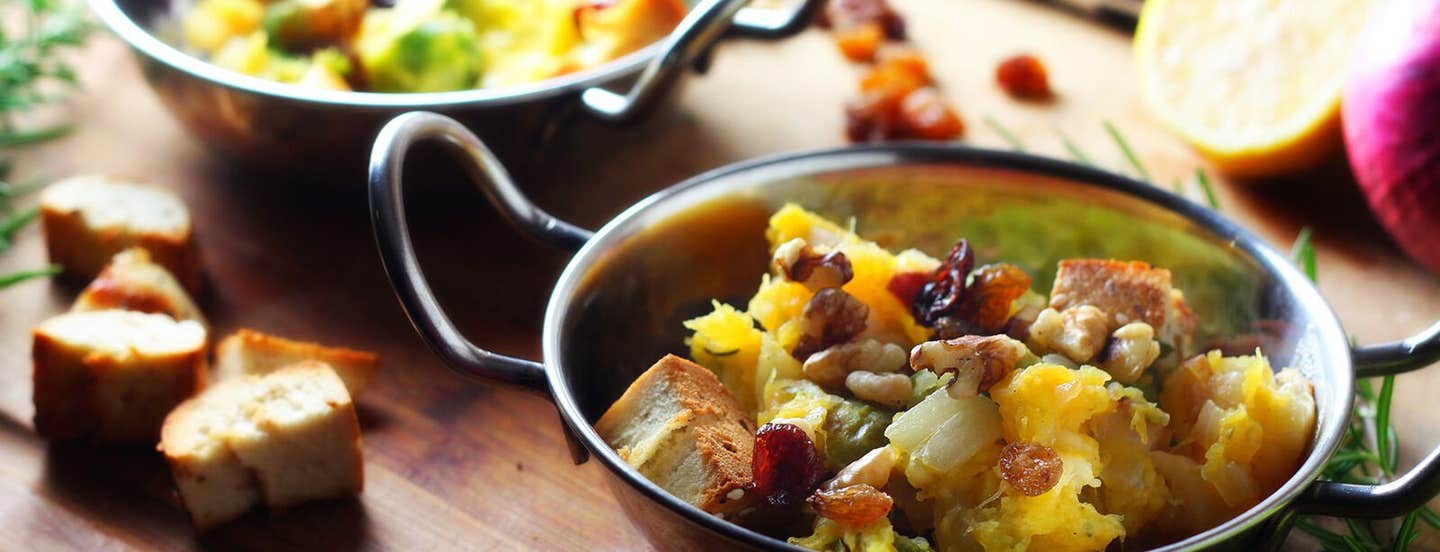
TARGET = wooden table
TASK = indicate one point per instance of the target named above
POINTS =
(456, 464)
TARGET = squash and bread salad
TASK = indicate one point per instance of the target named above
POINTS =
(421, 45)
(910, 403)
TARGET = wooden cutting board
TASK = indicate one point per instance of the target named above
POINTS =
(453, 464)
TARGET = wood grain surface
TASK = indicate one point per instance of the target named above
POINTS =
(454, 464)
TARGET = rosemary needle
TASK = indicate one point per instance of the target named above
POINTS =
(1129, 153)
(1005, 133)
(1204, 182)
(7, 280)
(1074, 150)
(1303, 251)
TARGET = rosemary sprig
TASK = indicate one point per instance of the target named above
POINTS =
(1129, 153)
(7, 280)
(1074, 150)
(33, 72)
(1304, 254)
(1005, 133)
(1357, 459)
(1204, 182)
(13, 222)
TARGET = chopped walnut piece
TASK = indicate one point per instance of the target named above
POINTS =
(830, 318)
(1131, 350)
(1077, 332)
(873, 469)
(978, 361)
(816, 269)
(829, 368)
(1032, 469)
(1023, 77)
(892, 390)
(856, 505)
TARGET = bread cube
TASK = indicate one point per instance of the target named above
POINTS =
(114, 374)
(682, 429)
(87, 219)
(132, 281)
(300, 436)
(251, 352)
(214, 486)
(1127, 292)
(281, 439)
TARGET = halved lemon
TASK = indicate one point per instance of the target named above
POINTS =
(1254, 85)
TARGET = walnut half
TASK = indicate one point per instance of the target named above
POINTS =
(798, 262)
(978, 361)
(829, 368)
(1077, 332)
(830, 318)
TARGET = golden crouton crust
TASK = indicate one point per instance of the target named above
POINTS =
(84, 251)
(132, 281)
(354, 367)
(1133, 290)
(724, 435)
(72, 388)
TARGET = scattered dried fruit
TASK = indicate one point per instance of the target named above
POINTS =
(786, 467)
(860, 43)
(1032, 469)
(942, 294)
(1024, 77)
(848, 14)
(925, 115)
(991, 291)
(856, 505)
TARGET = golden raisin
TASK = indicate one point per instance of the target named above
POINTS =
(1030, 468)
(925, 115)
(846, 14)
(1023, 77)
(860, 43)
(856, 505)
(991, 291)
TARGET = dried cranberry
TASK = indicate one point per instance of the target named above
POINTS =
(1023, 77)
(786, 467)
(942, 294)
(906, 286)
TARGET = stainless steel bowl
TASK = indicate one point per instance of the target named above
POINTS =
(272, 124)
(618, 305)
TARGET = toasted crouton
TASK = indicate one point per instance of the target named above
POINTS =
(1126, 292)
(113, 374)
(87, 219)
(681, 428)
(214, 486)
(132, 282)
(281, 439)
(251, 352)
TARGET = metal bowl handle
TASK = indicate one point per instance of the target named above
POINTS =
(1407, 492)
(705, 25)
(397, 253)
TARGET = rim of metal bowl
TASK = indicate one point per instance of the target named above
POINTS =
(143, 41)
(1328, 427)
